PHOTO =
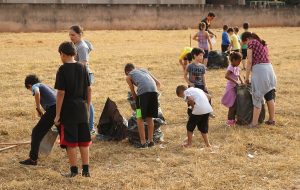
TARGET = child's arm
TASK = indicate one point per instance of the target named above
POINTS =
(204, 81)
(209, 41)
(59, 100)
(158, 84)
(129, 82)
(208, 96)
(190, 101)
(241, 80)
(227, 76)
(37, 97)
(195, 37)
(186, 74)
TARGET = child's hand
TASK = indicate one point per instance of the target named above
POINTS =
(57, 121)
(40, 113)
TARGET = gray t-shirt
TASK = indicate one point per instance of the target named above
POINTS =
(143, 80)
(47, 94)
(196, 73)
(83, 49)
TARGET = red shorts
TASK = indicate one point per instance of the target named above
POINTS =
(73, 135)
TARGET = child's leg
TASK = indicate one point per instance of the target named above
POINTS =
(191, 125)
(205, 138)
(140, 123)
(72, 155)
(150, 126)
(203, 127)
(84, 153)
(232, 112)
(189, 139)
(40, 130)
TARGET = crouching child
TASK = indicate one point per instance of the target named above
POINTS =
(146, 97)
(45, 99)
(73, 102)
(199, 101)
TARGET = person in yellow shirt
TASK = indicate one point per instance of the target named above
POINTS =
(184, 58)
(234, 41)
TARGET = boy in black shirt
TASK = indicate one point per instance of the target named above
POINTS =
(72, 106)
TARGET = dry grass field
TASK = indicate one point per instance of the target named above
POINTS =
(276, 149)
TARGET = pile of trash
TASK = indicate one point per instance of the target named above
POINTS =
(245, 106)
(132, 131)
(217, 60)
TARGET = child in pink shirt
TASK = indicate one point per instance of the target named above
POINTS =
(233, 76)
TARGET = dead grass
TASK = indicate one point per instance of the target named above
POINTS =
(276, 162)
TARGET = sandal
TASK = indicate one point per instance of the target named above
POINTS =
(270, 122)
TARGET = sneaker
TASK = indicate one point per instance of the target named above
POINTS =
(230, 123)
(142, 146)
(69, 175)
(93, 132)
(151, 144)
(86, 174)
(28, 162)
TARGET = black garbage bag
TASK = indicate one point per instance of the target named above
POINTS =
(217, 60)
(245, 106)
(132, 131)
(112, 126)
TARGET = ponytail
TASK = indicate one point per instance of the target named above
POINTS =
(249, 35)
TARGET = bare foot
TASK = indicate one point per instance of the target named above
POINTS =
(186, 145)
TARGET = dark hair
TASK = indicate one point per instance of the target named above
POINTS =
(235, 56)
(31, 80)
(128, 67)
(77, 29)
(246, 25)
(196, 51)
(67, 48)
(249, 35)
(180, 89)
(189, 57)
(202, 26)
(225, 27)
(211, 14)
(230, 30)
(236, 29)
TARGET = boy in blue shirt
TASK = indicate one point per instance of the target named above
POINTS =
(225, 39)
(45, 97)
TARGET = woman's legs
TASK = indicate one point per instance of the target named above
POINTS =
(91, 119)
(256, 113)
(271, 109)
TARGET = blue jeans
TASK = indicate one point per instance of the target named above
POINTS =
(91, 119)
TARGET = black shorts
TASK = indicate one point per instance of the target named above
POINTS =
(244, 53)
(205, 56)
(201, 121)
(224, 48)
(73, 135)
(202, 87)
(271, 95)
(148, 103)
